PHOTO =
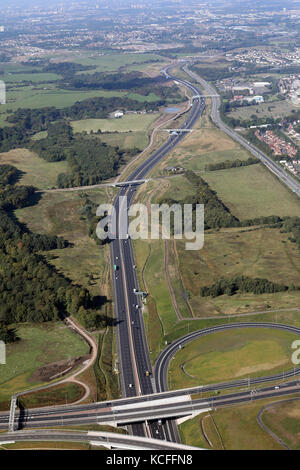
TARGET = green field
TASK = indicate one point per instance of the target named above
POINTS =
(129, 122)
(112, 62)
(126, 140)
(40, 344)
(10, 77)
(204, 145)
(230, 355)
(252, 191)
(36, 171)
(49, 95)
(230, 428)
(283, 420)
(59, 214)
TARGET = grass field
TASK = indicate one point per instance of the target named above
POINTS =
(34, 96)
(129, 122)
(252, 191)
(275, 109)
(126, 140)
(59, 395)
(49, 446)
(230, 355)
(254, 252)
(59, 214)
(262, 252)
(40, 344)
(231, 428)
(283, 419)
(36, 171)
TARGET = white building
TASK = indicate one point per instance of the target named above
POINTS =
(118, 114)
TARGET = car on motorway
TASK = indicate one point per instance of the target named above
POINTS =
(147, 373)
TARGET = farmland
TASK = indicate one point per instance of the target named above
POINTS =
(233, 428)
(35, 171)
(39, 345)
(127, 123)
(252, 191)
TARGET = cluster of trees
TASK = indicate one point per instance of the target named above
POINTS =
(30, 288)
(90, 160)
(292, 225)
(54, 147)
(274, 221)
(231, 164)
(67, 69)
(242, 284)
(12, 197)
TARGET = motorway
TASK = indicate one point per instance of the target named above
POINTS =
(133, 350)
(274, 167)
(131, 339)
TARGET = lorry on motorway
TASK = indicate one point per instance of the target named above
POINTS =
(116, 267)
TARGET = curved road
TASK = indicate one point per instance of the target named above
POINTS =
(163, 361)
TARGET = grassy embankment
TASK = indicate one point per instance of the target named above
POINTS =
(38, 346)
(236, 427)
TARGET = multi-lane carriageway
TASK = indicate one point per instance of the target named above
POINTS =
(162, 406)
(141, 403)
(133, 351)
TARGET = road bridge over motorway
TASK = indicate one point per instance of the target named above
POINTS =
(120, 184)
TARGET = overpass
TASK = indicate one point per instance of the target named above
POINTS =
(121, 184)
(147, 411)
